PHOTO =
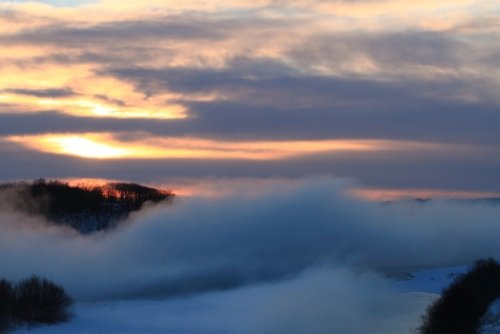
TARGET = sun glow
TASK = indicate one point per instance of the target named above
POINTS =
(93, 107)
(76, 91)
(106, 146)
(81, 147)
(73, 145)
(84, 147)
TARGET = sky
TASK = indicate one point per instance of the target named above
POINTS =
(399, 96)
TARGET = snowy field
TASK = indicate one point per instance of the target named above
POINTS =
(270, 308)
(491, 320)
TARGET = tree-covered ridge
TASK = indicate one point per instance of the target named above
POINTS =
(33, 301)
(465, 301)
(87, 208)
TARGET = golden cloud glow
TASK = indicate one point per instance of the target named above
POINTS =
(84, 147)
(105, 146)
(348, 15)
(92, 107)
(405, 194)
(252, 39)
(89, 95)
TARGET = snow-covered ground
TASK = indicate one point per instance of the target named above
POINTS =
(270, 308)
(432, 280)
(490, 323)
(210, 315)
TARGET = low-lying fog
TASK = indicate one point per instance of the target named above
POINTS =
(302, 259)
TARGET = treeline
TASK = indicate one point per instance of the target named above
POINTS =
(463, 304)
(87, 208)
(30, 302)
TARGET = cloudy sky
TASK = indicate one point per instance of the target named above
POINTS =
(399, 95)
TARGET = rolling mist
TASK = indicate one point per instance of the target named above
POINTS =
(299, 258)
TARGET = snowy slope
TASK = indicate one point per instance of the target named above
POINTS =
(490, 323)
(212, 315)
(432, 280)
(234, 312)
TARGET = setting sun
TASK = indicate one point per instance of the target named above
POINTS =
(86, 148)
(78, 146)
(107, 146)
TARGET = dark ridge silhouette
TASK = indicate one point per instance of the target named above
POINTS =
(464, 302)
(7, 300)
(85, 208)
(31, 302)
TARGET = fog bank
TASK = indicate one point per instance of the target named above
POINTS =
(204, 244)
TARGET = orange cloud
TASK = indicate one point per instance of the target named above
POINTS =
(106, 146)
(402, 194)
(94, 96)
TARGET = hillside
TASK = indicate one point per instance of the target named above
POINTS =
(85, 208)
